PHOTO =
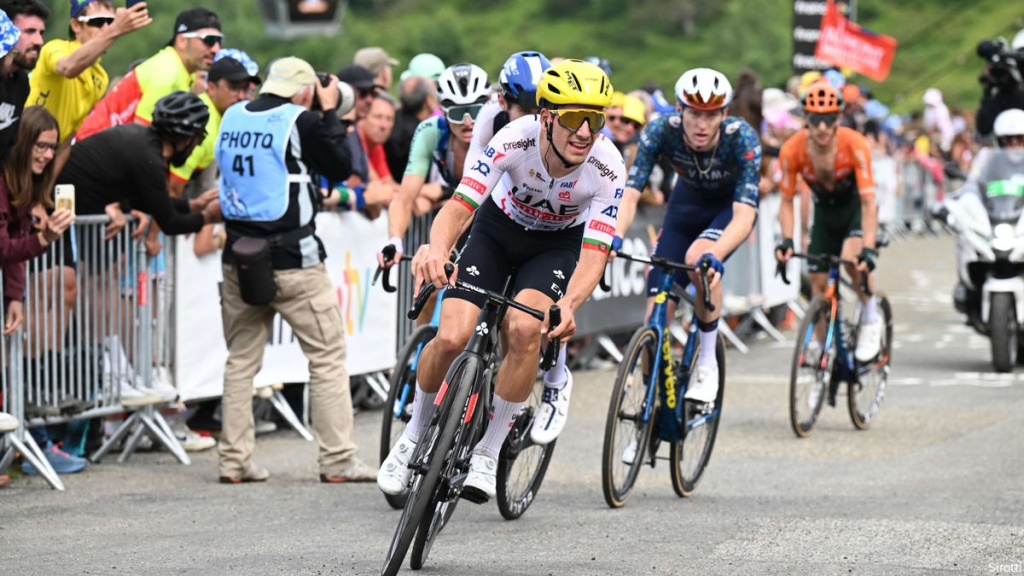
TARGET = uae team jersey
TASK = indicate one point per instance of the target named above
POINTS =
(589, 195)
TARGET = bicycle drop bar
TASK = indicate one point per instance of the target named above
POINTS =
(668, 266)
(389, 252)
(828, 259)
(449, 269)
(551, 351)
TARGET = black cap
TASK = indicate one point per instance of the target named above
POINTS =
(194, 19)
(231, 70)
(358, 77)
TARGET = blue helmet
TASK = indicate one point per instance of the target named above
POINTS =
(520, 76)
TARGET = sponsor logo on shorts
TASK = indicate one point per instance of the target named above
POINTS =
(557, 290)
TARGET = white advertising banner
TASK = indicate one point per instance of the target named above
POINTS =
(776, 291)
(368, 314)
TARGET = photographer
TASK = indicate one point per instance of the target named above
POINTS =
(1002, 80)
(273, 262)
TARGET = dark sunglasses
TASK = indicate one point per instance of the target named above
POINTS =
(457, 114)
(634, 123)
(210, 40)
(366, 92)
(827, 119)
(96, 20)
(572, 120)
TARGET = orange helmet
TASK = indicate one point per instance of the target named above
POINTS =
(822, 99)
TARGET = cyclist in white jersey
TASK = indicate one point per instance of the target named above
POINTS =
(566, 182)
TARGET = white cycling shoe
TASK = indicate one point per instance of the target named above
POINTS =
(393, 476)
(869, 341)
(481, 483)
(553, 413)
(705, 386)
(629, 454)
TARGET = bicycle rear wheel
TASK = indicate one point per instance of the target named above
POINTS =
(625, 425)
(400, 396)
(812, 368)
(455, 462)
(865, 396)
(431, 456)
(522, 464)
(691, 454)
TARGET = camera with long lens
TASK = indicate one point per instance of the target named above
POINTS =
(347, 96)
(1004, 70)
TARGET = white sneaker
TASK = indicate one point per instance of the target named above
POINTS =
(393, 476)
(482, 480)
(7, 422)
(265, 426)
(705, 385)
(133, 397)
(162, 386)
(189, 439)
(869, 341)
(553, 412)
(629, 454)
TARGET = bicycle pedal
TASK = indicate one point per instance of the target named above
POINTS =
(474, 495)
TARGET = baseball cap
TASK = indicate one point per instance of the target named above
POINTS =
(9, 34)
(250, 65)
(194, 19)
(426, 65)
(374, 59)
(287, 76)
(231, 70)
(358, 77)
(77, 6)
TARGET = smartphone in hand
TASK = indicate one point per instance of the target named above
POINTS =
(128, 5)
(64, 197)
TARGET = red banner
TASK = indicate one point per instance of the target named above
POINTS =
(847, 45)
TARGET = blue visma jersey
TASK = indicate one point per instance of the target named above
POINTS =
(735, 165)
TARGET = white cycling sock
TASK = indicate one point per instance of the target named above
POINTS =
(869, 311)
(557, 376)
(503, 416)
(420, 410)
(708, 340)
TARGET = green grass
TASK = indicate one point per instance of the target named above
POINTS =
(937, 37)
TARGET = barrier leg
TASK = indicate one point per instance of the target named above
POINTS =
(676, 329)
(161, 432)
(759, 317)
(797, 308)
(30, 451)
(8, 456)
(606, 344)
(133, 440)
(119, 435)
(732, 337)
(378, 384)
(285, 410)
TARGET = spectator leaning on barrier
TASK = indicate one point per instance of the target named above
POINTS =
(379, 63)
(375, 190)
(273, 262)
(195, 42)
(418, 98)
(22, 37)
(69, 79)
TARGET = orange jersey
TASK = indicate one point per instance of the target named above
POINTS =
(852, 169)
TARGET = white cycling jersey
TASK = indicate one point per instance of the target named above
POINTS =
(483, 130)
(589, 194)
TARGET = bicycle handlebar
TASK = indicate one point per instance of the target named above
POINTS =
(668, 266)
(389, 252)
(828, 259)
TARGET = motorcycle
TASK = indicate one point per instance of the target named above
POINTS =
(986, 215)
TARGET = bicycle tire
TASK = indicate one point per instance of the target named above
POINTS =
(515, 497)
(401, 377)
(682, 482)
(439, 434)
(862, 408)
(463, 438)
(643, 340)
(797, 399)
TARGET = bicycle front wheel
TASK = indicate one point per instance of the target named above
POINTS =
(627, 434)
(522, 464)
(400, 395)
(812, 367)
(865, 396)
(691, 454)
(430, 457)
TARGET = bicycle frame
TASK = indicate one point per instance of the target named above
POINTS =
(435, 321)
(845, 370)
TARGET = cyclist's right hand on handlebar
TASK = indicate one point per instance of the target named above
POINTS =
(432, 268)
(784, 251)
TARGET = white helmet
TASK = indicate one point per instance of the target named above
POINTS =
(704, 89)
(1009, 123)
(463, 84)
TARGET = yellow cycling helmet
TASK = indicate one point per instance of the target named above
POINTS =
(574, 82)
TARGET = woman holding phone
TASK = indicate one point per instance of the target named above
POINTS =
(26, 183)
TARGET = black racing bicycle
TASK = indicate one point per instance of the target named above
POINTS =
(440, 463)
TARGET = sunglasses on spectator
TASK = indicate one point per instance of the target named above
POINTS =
(210, 40)
(827, 119)
(44, 146)
(97, 20)
(367, 92)
(572, 120)
(457, 114)
(634, 123)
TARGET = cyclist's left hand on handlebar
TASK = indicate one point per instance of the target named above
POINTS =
(866, 260)
(714, 271)
(432, 269)
(567, 329)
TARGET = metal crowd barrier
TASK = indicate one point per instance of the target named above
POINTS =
(417, 234)
(90, 335)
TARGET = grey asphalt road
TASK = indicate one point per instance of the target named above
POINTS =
(936, 486)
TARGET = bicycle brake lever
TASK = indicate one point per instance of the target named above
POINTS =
(551, 351)
(705, 265)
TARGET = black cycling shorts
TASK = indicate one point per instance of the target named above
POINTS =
(498, 247)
